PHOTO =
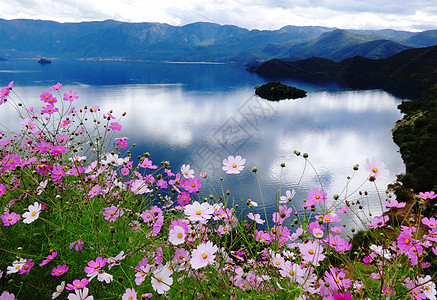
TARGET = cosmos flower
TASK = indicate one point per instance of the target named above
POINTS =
(233, 165)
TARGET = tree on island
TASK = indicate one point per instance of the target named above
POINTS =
(276, 90)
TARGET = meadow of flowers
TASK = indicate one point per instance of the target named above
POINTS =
(82, 219)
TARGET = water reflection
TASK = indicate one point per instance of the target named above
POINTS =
(175, 118)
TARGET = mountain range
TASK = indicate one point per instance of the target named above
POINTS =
(22, 38)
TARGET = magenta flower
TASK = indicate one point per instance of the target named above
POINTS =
(427, 195)
(342, 210)
(341, 296)
(183, 198)
(29, 125)
(47, 97)
(49, 258)
(59, 270)
(191, 185)
(58, 150)
(2, 189)
(121, 142)
(203, 255)
(70, 96)
(115, 126)
(367, 259)
(27, 266)
(147, 163)
(77, 284)
(95, 108)
(233, 165)
(95, 265)
(10, 218)
(111, 213)
(405, 240)
(337, 229)
(336, 279)
(49, 109)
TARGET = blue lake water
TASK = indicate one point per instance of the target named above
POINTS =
(198, 114)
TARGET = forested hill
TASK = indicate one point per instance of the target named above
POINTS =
(413, 66)
(198, 41)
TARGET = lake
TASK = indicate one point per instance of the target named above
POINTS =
(198, 114)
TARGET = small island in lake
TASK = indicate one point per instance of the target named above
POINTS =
(44, 61)
(276, 90)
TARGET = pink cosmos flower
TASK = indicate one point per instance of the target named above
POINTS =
(111, 213)
(197, 212)
(56, 87)
(29, 125)
(314, 197)
(342, 210)
(427, 195)
(376, 168)
(256, 218)
(338, 243)
(233, 165)
(115, 261)
(367, 259)
(59, 270)
(70, 96)
(95, 265)
(162, 280)
(78, 245)
(95, 190)
(49, 258)
(177, 235)
(191, 185)
(394, 203)
(130, 294)
(405, 240)
(6, 295)
(378, 221)
(139, 187)
(337, 229)
(284, 213)
(312, 252)
(181, 255)
(115, 126)
(17, 265)
(148, 164)
(261, 236)
(58, 150)
(10, 218)
(95, 108)
(431, 223)
(47, 97)
(203, 255)
(336, 279)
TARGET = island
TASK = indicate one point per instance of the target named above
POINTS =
(275, 90)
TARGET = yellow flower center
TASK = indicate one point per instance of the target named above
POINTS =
(336, 280)
(9, 219)
(198, 212)
(96, 266)
(317, 197)
(234, 165)
(159, 279)
(375, 170)
(204, 256)
(33, 214)
(311, 251)
(78, 285)
(60, 272)
(179, 235)
(277, 263)
(407, 241)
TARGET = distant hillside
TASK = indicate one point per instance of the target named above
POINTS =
(424, 39)
(193, 42)
(415, 67)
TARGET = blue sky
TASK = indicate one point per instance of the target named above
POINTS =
(411, 15)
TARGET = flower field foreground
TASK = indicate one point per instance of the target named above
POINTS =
(79, 220)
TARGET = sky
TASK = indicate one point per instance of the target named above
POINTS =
(410, 15)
